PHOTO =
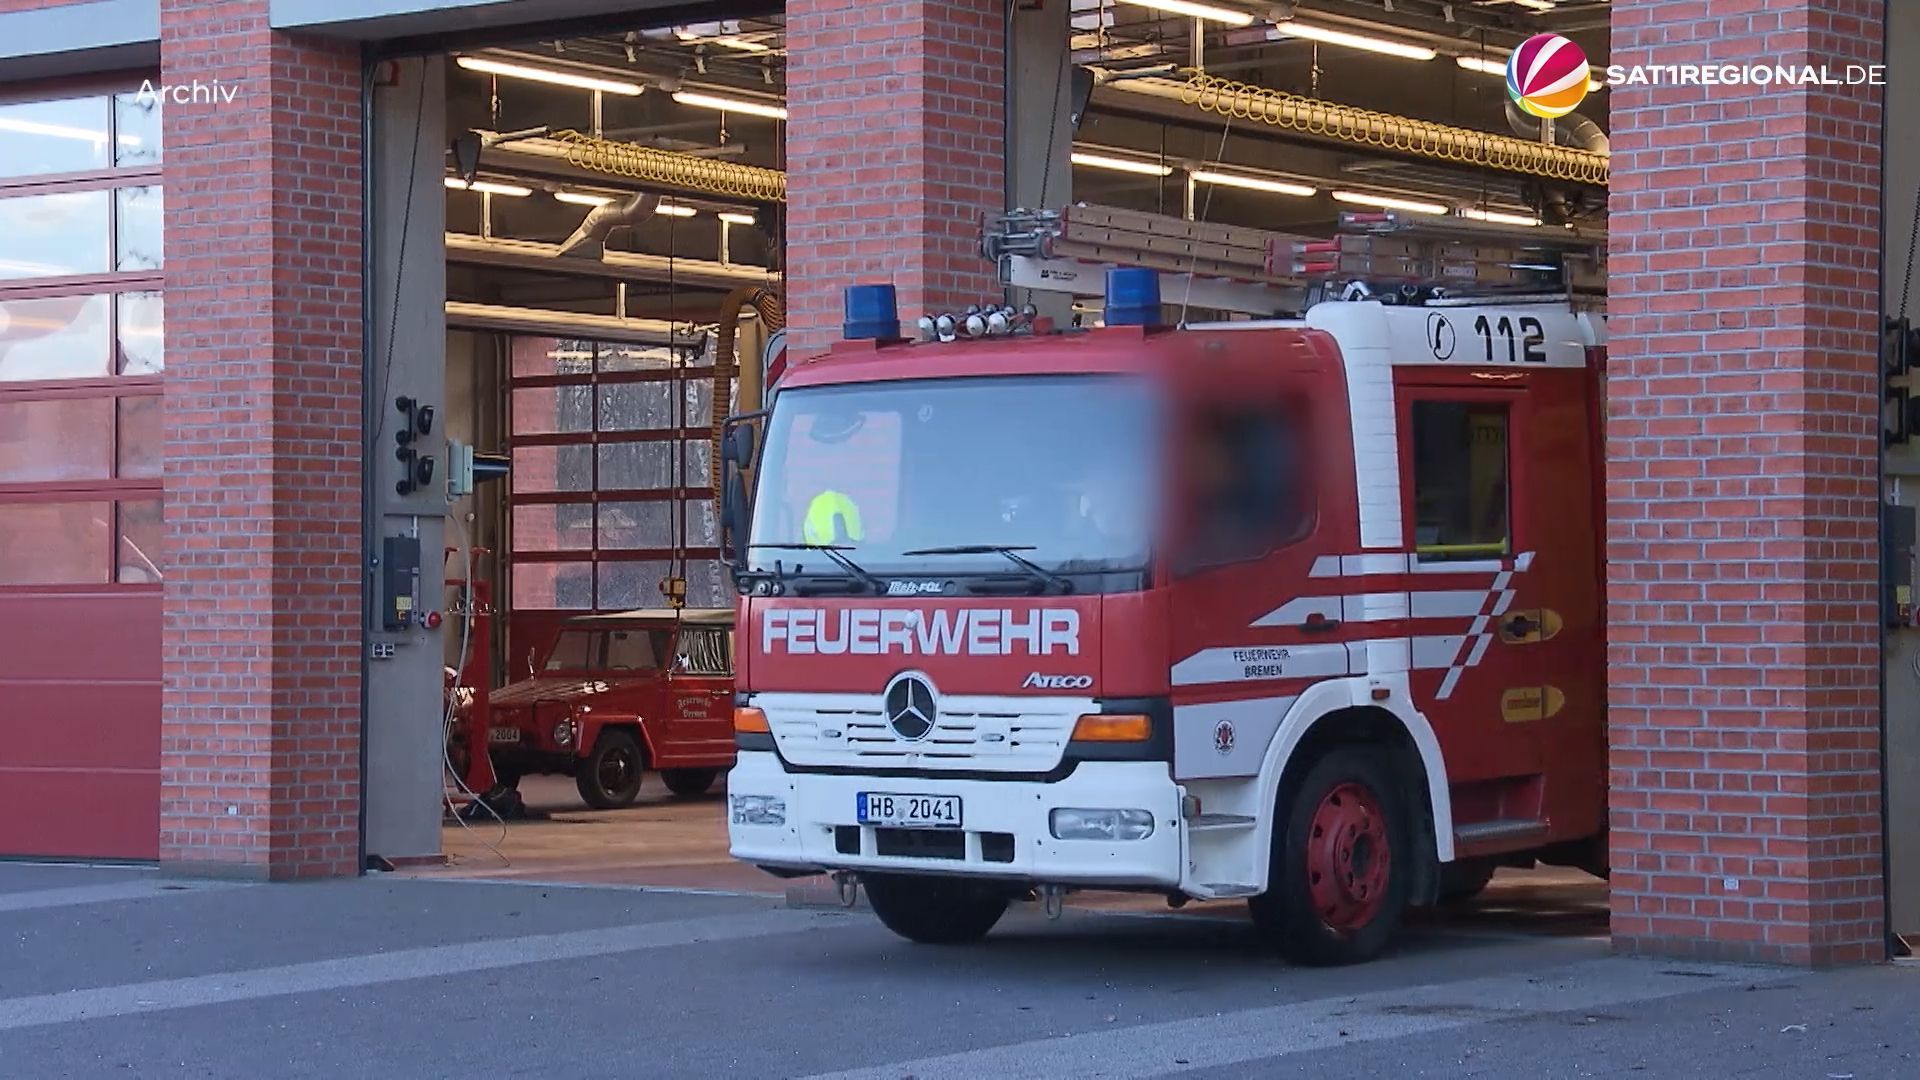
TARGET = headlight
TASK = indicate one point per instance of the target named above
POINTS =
(563, 733)
(1074, 824)
(758, 809)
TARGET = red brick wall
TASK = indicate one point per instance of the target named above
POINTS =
(261, 726)
(1741, 485)
(895, 152)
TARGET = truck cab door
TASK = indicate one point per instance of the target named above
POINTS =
(1477, 612)
(700, 694)
(1505, 594)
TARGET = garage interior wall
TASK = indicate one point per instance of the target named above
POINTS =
(406, 296)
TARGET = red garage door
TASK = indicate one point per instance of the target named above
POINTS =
(80, 487)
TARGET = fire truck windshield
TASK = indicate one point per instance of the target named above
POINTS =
(1058, 468)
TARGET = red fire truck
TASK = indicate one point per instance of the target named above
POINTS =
(1302, 611)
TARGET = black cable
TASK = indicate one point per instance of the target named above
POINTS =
(1053, 126)
(1913, 238)
(400, 266)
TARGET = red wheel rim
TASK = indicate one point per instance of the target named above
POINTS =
(1348, 857)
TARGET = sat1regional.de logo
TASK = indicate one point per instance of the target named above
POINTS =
(1547, 76)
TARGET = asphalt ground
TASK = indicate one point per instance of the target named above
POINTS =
(130, 973)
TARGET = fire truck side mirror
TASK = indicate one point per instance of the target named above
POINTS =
(737, 446)
(734, 518)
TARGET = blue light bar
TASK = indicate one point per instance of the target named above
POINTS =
(1133, 297)
(873, 314)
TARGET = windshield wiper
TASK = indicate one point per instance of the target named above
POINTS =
(834, 552)
(1039, 573)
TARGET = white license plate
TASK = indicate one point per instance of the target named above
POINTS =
(908, 811)
(504, 735)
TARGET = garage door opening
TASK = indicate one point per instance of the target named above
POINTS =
(613, 241)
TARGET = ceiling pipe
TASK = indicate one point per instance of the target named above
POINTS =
(589, 241)
(586, 154)
(1571, 129)
(1383, 132)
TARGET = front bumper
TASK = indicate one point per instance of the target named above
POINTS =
(1005, 825)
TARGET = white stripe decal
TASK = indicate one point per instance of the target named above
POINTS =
(1358, 565)
(1439, 651)
(1453, 653)
(1373, 607)
(1479, 649)
(1455, 604)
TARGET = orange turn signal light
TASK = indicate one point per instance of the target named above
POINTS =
(1119, 727)
(750, 721)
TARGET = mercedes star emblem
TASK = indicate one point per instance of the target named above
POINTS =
(910, 708)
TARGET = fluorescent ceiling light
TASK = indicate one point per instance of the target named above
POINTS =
(488, 186)
(1252, 183)
(1499, 67)
(727, 104)
(62, 131)
(1535, 5)
(581, 199)
(1328, 36)
(1386, 202)
(1126, 165)
(558, 78)
(738, 219)
(1500, 218)
(1196, 11)
(675, 210)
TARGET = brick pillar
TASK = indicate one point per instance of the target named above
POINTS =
(1741, 439)
(260, 732)
(896, 151)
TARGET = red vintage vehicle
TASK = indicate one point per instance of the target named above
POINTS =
(616, 696)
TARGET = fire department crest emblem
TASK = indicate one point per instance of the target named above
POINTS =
(1223, 737)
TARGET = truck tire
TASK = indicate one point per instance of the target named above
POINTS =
(1337, 883)
(609, 777)
(935, 911)
(688, 783)
(1462, 881)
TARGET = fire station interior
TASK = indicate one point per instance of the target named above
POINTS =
(609, 207)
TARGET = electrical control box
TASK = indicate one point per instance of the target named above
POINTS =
(399, 581)
(1897, 528)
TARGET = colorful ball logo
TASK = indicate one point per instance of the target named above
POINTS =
(1547, 76)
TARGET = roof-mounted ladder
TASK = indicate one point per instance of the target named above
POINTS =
(1393, 257)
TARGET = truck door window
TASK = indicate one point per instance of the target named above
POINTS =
(634, 650)
(1248, 484)
(1460, 485)
(703, 651)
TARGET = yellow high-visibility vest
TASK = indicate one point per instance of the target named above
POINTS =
(821, 512)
